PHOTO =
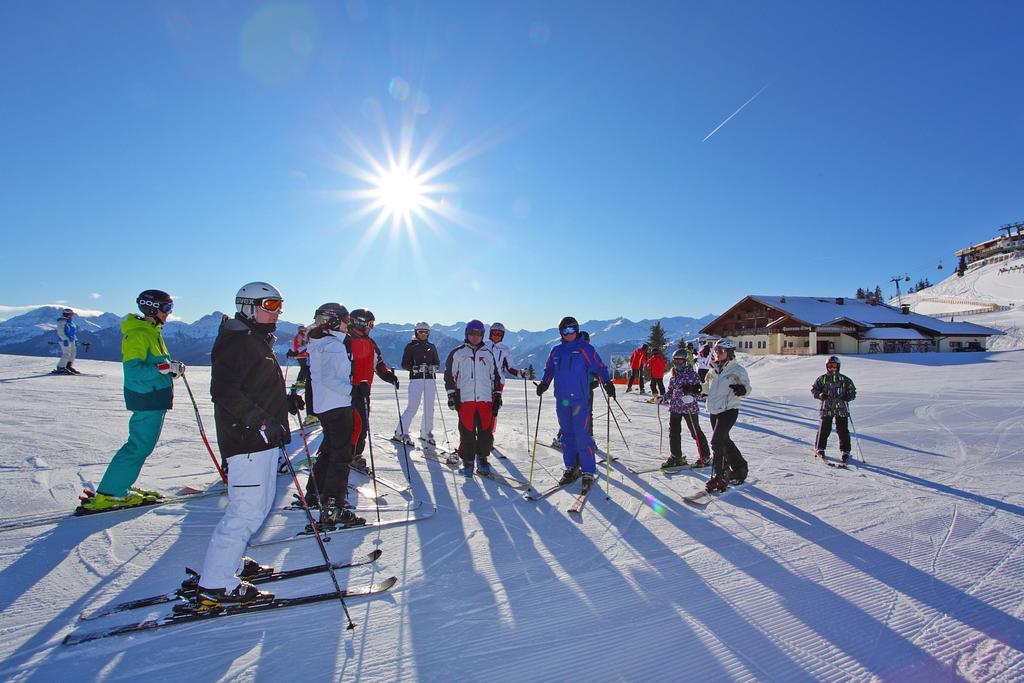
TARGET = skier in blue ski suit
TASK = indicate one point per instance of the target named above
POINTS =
(570, 364)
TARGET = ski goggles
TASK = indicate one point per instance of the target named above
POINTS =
(498, 333)
(474, 333)
(163, 306)
(271, 305)
(426, 332)
(568, 330)
(678, 361)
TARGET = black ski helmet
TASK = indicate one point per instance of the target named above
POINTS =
(566, 323)
(152, 300)
(833, 359)
(331, 315)
(359, 319)
(67, 313)
(680, 354)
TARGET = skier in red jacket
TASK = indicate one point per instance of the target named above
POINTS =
(636, 368)
(657, 367)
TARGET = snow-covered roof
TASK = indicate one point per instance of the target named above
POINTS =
(904, 333)
(819, 311)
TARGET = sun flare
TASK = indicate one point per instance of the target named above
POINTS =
(400, 191)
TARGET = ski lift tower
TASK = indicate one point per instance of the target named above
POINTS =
(896, 279)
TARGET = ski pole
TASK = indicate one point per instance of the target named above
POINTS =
(624, 414)
(441, 411)
(319, 540)
(855, 436)
(625, 443)
(202, 431)
(405, 446)
(661, 431)
(536, 432)
(608, 451)
(526, 397)
(369, 443)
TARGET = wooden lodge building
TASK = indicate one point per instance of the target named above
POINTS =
(806, 325)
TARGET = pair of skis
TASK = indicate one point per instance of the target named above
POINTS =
(184, 615)
(413, 515)
(577, 506)
(185, 494)
(439, 455)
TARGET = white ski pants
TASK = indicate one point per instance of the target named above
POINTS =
(419, 390)
(67, 354)
(252, 488)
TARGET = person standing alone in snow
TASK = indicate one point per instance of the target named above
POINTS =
(67, 333)
(250, 407)
(421, 360)
(637, 361)
(725, 384)
(474, 391)
(835, 391)
(570, 365)
(149, 375)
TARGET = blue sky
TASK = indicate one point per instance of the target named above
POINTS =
(196, 146)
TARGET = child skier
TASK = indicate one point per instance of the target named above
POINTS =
(724, 385)
(149, 375)
(67, 333)
(683, 390)
(835, 391)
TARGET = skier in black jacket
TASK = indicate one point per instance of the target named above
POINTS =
(421, 360)
(250, 407)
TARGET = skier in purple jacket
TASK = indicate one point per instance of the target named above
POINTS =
(683, 390)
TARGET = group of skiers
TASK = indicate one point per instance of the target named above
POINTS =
(251, 406)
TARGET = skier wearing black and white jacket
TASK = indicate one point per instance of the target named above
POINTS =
(250, 407)
(724, 385)
(331, 369)
(835, 391)
(421, 360)
(474, 391)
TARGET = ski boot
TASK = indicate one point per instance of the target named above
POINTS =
(717, 483)
(429, 438)
(145, 493)
(556, 443)
(483, 467)
(819, 454)
(674, 461)
(701, 462)
(467, 469)
(310, 421)
(101, 502)
(844, 458)
(71, 370)
(735, 476)
(402, 438)
(587, 480)
(359, 463)
(60, 371)
(243, 594)
(570, 475)
(453, 459)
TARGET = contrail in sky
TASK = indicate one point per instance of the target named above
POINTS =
(735, 112)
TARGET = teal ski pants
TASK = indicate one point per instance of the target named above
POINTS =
(143, 432)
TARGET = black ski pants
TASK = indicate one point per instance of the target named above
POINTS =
(842, 429)
(726, 454)
(361, 404)
(633, 376)
(675, 421)
(657, 387)
(329, 476)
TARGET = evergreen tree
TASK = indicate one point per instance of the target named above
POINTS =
(657, 341)
(878, 293)
(860, 293)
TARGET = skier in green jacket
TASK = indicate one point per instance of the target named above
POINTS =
(149, 374)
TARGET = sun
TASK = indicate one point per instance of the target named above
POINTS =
(399, 191)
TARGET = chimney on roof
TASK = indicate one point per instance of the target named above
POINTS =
(905, 309)
(840, 300)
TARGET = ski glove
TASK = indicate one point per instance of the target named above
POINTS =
(274, 434)
(609, 388)
(542, 387)
(295, 403)
(738, 389)
(453, 400)
(495, 403)
(291, 354)
(174, 368)
(390, 378)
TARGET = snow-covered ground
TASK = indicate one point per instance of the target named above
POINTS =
(908, 567)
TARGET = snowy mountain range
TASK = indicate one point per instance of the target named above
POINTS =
(31, 334)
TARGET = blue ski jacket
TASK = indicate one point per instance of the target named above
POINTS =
(571, 364)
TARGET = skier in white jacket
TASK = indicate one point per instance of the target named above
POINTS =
(474, 391)
(724, 385)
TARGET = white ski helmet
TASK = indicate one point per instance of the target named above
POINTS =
(257, 294)
(727, 344)
(421, 326)
(497, 327)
